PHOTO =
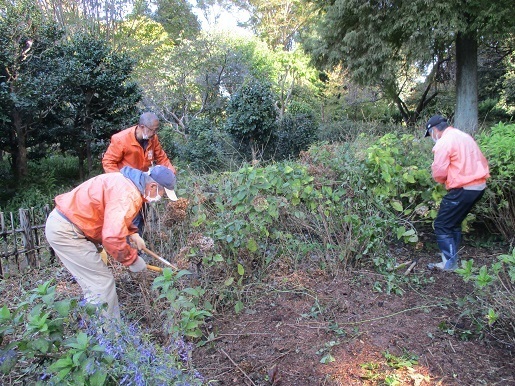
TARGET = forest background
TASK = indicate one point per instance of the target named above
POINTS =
(300, 137)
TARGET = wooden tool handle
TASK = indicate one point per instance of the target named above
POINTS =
(149, 252)
(154, 268)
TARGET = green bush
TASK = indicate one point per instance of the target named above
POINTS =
(54, 341)
(347, 130)
(251, 119)
(295, 133)
(492, 305)
(204, 148)
(498, 206)
(47, 178)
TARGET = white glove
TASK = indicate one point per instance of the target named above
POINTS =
(138, 265)
(136, 239)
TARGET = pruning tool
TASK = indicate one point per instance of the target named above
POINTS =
(154, 255)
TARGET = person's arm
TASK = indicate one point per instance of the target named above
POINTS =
(118, 216)
(440, 166)
(161, 157)
(112, 156)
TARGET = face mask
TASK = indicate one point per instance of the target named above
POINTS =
(433, 136)
(153, 199)
(146, 133)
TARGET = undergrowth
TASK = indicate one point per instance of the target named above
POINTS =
(336, 209)
(61, 341)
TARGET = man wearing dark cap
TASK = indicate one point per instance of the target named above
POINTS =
(459, 164)
(101, 211)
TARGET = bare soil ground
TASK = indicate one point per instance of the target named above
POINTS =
(295, 320)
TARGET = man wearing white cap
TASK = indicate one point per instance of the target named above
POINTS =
(101, 211)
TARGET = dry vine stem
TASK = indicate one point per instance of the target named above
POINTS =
(238, 367)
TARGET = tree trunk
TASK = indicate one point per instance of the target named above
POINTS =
(466, 115)
(80, 154)
(20, 156)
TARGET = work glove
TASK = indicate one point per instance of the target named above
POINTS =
(138, 265)
(103, 255)
(136, 239)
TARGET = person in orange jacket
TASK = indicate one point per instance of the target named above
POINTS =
(461, 166)
(101, 211)
(137, 147)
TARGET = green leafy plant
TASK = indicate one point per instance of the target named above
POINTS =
(326, 351)
(405, 360)
(498, 205)
(83, 363)
(494, 306)
(56, 342)
(184, 316)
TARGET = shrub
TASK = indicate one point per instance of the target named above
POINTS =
(251, 117)
(203, 150)
(492, 305)
(295, 133)
(47, 178)
(498, 206)
(61, 341)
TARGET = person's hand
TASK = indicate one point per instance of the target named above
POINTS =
(136, 239)
(103, 255)
(138, 265)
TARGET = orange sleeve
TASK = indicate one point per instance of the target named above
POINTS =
(161, 157)
(118, 216)
(112, 156)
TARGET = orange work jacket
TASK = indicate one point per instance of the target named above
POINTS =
(125, 150)
(458, 161)
(104, 207)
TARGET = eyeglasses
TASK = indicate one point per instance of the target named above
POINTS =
(151, 129)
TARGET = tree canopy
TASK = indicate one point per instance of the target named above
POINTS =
(383, 41)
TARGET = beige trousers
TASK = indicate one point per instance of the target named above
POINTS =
(80, 257)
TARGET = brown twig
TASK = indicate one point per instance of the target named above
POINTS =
(410, 268)
(238, 367)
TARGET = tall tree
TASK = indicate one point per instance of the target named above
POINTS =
(100, 18)
(100, 95)
(277, 22)
(379, 41)
(177, 18)
(29, 89)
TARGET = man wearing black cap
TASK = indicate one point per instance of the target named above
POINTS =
(459, 164)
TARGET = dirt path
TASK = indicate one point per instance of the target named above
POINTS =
(364, 336)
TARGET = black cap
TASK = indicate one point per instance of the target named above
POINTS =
(436, 121)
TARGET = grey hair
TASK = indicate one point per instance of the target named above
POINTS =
(146, 119)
